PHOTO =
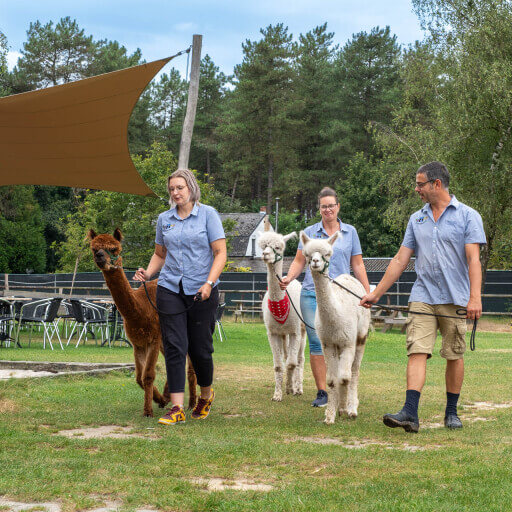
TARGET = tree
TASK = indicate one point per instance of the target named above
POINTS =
(314, 86)
(469, 108)
(55, 55)
(23, 246)
(4, 72)
(261, 129)
(211, 94)
(363, 198)
(367, 89)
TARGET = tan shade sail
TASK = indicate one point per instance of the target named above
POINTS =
(75, 134)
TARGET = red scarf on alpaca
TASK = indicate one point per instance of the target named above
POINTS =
(279, 309)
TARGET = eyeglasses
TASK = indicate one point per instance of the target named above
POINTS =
(328, 206)
(421, 184)
(179, 188)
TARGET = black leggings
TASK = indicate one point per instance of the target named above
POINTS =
(190, 331)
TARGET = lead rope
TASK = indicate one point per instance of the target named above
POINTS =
(151, 302)
(460, 312)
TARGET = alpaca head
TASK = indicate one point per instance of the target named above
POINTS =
(273, 244)
(106, 249)
(318, 252)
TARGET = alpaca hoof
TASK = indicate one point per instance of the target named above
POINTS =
(329, 421)
(277, 398)
(298, 392)
(148, 414)
(352, 415)
(341, 412)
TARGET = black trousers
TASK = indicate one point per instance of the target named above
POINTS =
(187, 331)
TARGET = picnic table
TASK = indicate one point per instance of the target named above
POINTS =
(390, 319)
(243, 306)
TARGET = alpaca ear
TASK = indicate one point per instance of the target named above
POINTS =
(293, 234)
(118, 235)
(91, 234)
(266, 224)
(304, 238)
(333, 238)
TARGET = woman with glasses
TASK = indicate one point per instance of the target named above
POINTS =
(346, 253)
(190, 253)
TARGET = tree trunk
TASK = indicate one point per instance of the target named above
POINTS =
(208, 169)
(270, 184)
(233, 191)
(193, 93)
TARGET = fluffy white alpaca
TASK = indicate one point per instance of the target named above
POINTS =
(286, 333)
(342, 326)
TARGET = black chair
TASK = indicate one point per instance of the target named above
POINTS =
(6, 322)
(218, 323)
(42, 312)
(86, 317)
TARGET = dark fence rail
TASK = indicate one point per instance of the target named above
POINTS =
(497, 297)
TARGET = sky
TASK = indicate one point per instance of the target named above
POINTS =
(161, 28)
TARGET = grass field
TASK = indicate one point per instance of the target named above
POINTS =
(352, 466)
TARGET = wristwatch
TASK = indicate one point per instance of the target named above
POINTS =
(211, 283)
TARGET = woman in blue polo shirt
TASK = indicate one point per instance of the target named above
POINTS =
(346, 253)
(190, 253)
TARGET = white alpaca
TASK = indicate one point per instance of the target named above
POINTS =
(342, 327)
(286, 334)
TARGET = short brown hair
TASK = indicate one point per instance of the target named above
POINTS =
(327, 192)
(190, 179)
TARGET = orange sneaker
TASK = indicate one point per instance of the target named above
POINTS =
(173, 416)
(203, 406)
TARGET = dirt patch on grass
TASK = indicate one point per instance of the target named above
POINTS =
(499, 350)
(219, 484)
(7, 406)
(358, 444)
(105, 431)
(487, 406)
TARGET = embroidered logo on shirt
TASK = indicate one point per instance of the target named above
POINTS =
(168, 226)
(421, 220)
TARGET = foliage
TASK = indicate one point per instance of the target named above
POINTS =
(287, 223)
(363, 198)
(134, 215)
(23, 246)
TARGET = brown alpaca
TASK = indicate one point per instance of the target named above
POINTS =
(140, 319)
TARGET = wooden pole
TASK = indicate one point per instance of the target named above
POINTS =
(193, 93)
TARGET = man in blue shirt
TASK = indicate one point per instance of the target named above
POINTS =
(446, 236)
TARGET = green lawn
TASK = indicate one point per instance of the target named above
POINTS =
(247, 437)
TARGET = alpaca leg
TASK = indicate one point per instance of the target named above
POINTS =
(343, 387)
(331, 355)
(192, 384)
(277, 353)
(353, 400)
(139, 355)
(150, 374)
(300, 361)
(292, 365)
(347, 355)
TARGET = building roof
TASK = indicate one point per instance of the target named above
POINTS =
(246, 223)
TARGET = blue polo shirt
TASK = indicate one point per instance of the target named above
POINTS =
(441, 264)
(189, 255)
(346, 246)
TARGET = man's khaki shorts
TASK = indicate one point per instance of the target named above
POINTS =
(422, 330)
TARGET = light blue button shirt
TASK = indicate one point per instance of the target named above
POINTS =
(189, 254)
(441, 264)
(346, 246)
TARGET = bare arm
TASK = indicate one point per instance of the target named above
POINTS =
(295, 269)
(219, 260)
(474, 307)
(395, 268)
(357, 264)
(155, 264)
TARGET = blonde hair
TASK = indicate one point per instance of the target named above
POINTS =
(190, 179)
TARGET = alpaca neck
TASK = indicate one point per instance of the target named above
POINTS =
(121, 291)
(274, 291)
(323, 290)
